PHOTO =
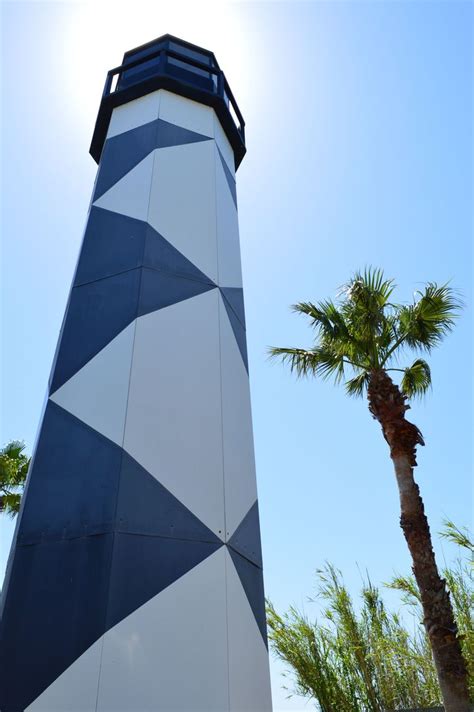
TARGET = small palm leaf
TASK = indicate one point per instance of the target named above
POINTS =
(13, 471)
(320, 361)
(424, 324)
(369, 286)
(325, 318)
(10, 503)
(416, 379)
(356, 386)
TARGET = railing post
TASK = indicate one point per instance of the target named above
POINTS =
(220, 84)
(162, 62)
(108, 84)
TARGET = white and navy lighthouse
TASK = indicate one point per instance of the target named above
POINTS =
(135, 583)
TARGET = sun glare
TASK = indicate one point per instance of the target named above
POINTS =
(95, 36)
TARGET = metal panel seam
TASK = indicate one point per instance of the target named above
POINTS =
(222, 429)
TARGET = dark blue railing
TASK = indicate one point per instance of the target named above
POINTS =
(169, 63)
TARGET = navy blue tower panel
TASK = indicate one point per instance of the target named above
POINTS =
(135, 577)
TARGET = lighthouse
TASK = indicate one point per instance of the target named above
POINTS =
(134, 582)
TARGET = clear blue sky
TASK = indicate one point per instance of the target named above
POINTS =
(359, 133)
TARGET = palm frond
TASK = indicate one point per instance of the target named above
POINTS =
(325, 317)
(319, 361)
(456, 535)
(366, 311)
(13, 449)
(13, 471)
(369, 287)
(10, 503)
(356, 386)
(425, 323)
(416, 379)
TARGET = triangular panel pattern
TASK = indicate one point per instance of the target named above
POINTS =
(75, 690)
(235, 298)
(85, 484)
(186, 113)
(131, 194)
(160, 289)
(246, 539)
(239, 332)
(183, 202)
(229, 177)
(173, 426)
(146, 507)
(115, 243)
(97, 394)
(180, 632)
(145, 565)
(251, 577)
(96, 313)
(112, 243)
(100, 310)
(224, 146)
(249, 675)
(75, 484)
(47, 626)
(227, 227)
(123, 152)
(161, 255)
(134, 113)
(239, 459)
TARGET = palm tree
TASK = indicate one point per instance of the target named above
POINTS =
(359, 340)
(13, 470)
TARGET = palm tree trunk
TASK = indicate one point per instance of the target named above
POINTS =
(387, 405)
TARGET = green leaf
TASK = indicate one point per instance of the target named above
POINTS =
(457, 535)
(320, 361)
(13, 471)
(425, 323)
(356, 386)
(10, 503)
(416, 379)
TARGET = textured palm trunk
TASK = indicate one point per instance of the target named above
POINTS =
(387, 405)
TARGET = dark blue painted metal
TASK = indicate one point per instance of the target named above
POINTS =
(160, 254)
(146, 507)
(86, 499)
(251, 577)
(123, 152)
(172, 135)
(246, 539)
(145, 565)
(229, 177)
(76, 479)
(100, 310)
(239, 332)
(113, 243)
(96, 313)
(55, 609)
(235, 299)
(161, 289)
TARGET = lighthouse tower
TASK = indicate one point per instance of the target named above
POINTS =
(134, 582)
